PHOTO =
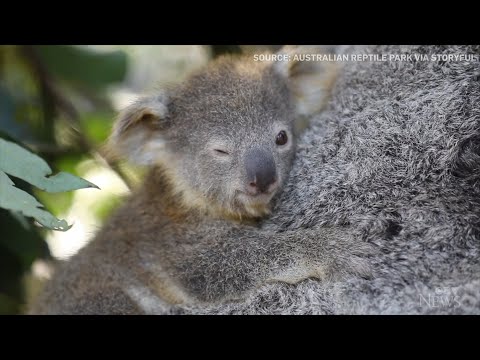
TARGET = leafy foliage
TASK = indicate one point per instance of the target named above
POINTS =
(16, 161)
(46, 98)
(21, 163)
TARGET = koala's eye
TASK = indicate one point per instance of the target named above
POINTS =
(282, 138)
(221, 152)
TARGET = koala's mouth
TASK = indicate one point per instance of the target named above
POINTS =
(244, 204)
(256, 198)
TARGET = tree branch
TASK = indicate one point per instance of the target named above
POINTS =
(63, 105)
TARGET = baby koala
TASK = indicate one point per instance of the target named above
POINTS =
(223, 141)
(220, 147)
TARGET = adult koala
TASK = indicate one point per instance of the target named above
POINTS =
(396, 158)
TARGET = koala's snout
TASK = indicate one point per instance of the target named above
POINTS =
(261, 171)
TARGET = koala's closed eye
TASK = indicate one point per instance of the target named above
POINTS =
(221, 152)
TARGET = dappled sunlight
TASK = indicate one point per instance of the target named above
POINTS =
(87, 206)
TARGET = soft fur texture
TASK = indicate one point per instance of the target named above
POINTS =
(396, 157)
(380, 215)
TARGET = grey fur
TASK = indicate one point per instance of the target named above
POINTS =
(383, 201)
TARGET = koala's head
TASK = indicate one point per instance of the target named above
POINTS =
(225, 137)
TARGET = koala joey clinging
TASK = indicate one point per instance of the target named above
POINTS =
(224, 139)
(220, 146)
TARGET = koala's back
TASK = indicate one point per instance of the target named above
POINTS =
(89, 282)
(77, 288)
(109, 275)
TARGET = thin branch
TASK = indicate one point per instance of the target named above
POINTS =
(69, 110)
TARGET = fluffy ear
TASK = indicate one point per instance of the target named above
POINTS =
(137, 132)
(310, 79)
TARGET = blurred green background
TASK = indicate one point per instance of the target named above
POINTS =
(59, 102)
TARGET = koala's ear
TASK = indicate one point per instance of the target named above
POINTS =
(310, 80)
(137, 131)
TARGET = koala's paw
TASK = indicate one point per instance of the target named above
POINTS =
(332, 259)
(298, 272)
(353, 261)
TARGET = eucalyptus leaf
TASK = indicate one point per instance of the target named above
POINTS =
(15, 199)
(19, 162)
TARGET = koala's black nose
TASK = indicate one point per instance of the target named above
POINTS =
(261, 171)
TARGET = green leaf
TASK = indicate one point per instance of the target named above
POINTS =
(19, 162)
(83, 67)
(15, 199)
